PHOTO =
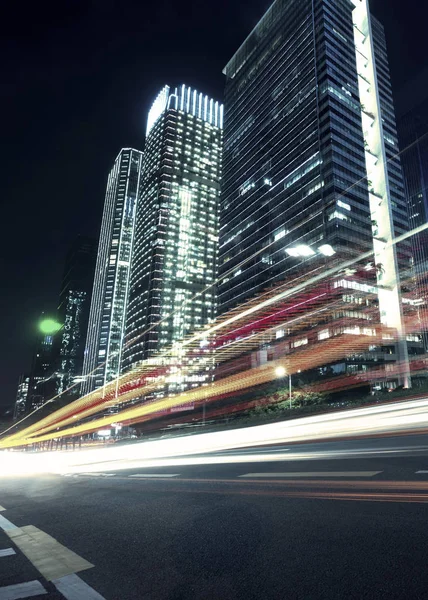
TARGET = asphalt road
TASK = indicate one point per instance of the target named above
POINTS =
(331, 521)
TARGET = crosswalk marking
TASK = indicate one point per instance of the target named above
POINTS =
(156, 475)
(311, 474)
(51, 558)
(74, 588)
(6, 525)
(22, 590)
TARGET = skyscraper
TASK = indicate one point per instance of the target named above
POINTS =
(174, 254)
(21, 396)
(310, 152)
(412, 124)
(42, 382)
(73, 312)
(110, 291)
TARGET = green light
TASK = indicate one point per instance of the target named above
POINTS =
(49, 326)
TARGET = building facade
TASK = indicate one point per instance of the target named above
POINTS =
(21, 396)
(412, 124)
(310, 152)
(73, 313)
(106, 326)
(42, 382)
(174, 256)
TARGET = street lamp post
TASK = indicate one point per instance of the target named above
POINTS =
(281, 372)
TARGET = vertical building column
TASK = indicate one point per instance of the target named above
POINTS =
(385, 253)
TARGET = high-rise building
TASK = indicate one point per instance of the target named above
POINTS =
(174, 256)
(412, 125)
(310, 152)
(106, 327)
(21, 396)
(73, 313)
(42, 383)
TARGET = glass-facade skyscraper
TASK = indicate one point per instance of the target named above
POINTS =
(174, 256)
(310, 151)
(110, 291)
(412, 122)
(21, 396)
(73, 312)
(42, 380)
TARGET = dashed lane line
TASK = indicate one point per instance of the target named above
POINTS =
(2, 508)
(99, 474)
(7, 552)
(22, 590)
(311, 474)
(154, 475)
(421, 472)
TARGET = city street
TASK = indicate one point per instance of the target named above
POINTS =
(351, 524)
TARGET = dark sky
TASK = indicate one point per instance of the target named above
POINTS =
(77, 80)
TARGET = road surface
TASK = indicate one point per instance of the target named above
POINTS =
(331, 521)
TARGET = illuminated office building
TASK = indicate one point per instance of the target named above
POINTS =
(104, 342)
(42, 381)
(174, 256)
(412, 124)
(73, 313)
(21, 396)
(310, 165)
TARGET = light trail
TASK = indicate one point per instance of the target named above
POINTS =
(151, 377)
(216, 282)
(206, 448)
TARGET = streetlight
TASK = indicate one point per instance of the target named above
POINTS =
(281, 372)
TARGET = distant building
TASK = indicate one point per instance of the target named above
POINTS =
(110, 289)
(42, 383)
(174, 257)
(73, 313)
(412, 126)
(21, 396)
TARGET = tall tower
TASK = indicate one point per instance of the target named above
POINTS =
(174, 257)
(109, 297)
(310, 152)
(73, 312)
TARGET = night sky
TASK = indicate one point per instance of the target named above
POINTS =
(77, 80)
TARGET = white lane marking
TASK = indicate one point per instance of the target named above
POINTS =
(421, 472)
(6, 525)
(7, 552)
(2, 508)
(74, 588)
(22, 590)
(313, 474)
(99, 474)
(156, 475)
